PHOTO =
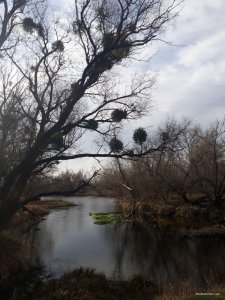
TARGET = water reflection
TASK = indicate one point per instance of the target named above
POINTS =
(68, 239)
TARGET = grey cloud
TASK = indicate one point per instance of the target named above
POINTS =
(191, 78)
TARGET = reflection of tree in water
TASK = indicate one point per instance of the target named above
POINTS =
(44, 246)
(163, 257)
(29, 242)
(127, 248)
(120, 251)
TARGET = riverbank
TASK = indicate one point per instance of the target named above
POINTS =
(33, 213)
(186, 219)
(86, 284)
(141, 244)
(15, 255)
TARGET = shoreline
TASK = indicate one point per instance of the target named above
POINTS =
(15, 255)
(187, 220)
(90, 283)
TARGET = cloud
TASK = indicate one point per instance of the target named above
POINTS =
(197, 20)
(207, 50)
(191, 77)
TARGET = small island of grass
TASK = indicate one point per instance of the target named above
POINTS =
(103, 218)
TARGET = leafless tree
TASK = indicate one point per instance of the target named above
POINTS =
(208, 160)
(189, 169)
(11, 14)
(58, 86)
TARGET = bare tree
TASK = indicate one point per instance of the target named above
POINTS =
(208, 159)
(11, 13)
(59, 87)
(190, 168)
(165, 173)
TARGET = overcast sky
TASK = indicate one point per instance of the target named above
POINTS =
(190, 76)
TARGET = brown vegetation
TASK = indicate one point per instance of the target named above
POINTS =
(49, 204)
(32, 213)
(185, 180)
(187, 220)
(86, 284)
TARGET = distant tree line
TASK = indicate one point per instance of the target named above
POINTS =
(190, 169)
(66, 183)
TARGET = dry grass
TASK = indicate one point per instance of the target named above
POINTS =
(38, 209)
(86, 284)
(23, 220)
(189, 220)
(183, 292)
(189, 291)
(51, 204)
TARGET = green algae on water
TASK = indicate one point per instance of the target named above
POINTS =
(104, 218)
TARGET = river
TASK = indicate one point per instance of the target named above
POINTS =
(68, 239)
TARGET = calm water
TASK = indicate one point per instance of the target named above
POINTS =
(68, 239)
